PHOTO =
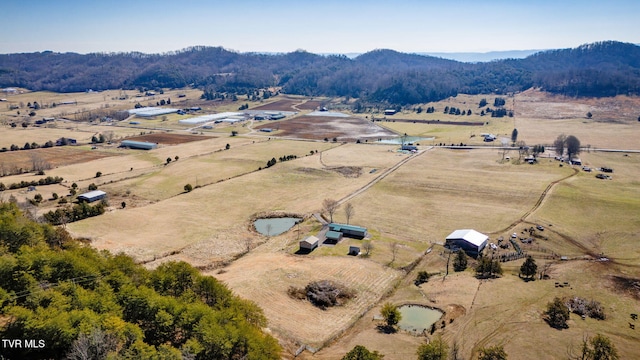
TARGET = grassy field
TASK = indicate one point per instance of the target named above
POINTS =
(539, 118)
(406, 211)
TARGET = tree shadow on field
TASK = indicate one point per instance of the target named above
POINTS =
(386, 329)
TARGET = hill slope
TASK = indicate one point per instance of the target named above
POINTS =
(599, 69)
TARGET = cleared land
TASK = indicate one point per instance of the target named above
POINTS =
(286, 104)
(321, 127)
(167, 138)
(49, 157)
(407, 212)
(298, 320)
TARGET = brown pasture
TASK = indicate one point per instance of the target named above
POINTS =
(309, 105)
(53, 157)
(168, 138)
(298, 320)
(280, 105)
(320, 127)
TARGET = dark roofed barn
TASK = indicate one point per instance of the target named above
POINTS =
(351, 231)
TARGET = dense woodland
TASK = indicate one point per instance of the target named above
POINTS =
(382, 76)
(72, 301)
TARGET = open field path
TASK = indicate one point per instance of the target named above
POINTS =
(381, 176)
(537, 205)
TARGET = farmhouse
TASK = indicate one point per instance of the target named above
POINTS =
(471, 241)
(309, 243)
(142, 145)
(92, 196)
(351, 231)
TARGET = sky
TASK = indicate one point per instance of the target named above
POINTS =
(327, 26)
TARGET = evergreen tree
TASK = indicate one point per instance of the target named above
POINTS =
(460, 261)
(529, 268)
(557, 314)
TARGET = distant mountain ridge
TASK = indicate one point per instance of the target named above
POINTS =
(604, 68)
(469, 57)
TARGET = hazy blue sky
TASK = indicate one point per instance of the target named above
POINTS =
(328, 26)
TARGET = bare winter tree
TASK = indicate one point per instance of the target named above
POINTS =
(248, 243)
(523, 149)
(38, 163)
(573, 146)
(349, 211)
(96, 345)
(108, 135)
(330, 206)
(558, 144)
(394, 251)
(367, 246)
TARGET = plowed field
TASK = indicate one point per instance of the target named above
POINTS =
(168, 139)
(53, 157)
(320, 127)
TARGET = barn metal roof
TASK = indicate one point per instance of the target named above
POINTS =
(92, 194)
(468, 235)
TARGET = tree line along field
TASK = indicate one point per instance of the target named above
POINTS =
(408, 211)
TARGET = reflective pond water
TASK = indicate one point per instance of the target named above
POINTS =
(418, 318)
(274, 226)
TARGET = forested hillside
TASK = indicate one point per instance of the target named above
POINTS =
(599, 69)
(62, 299)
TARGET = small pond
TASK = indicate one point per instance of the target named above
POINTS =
(418, 318)
(275, 226)
(407, 140)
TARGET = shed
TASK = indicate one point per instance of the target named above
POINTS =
(389, 112)
(354, 250)
(471, 241)
(92, 196)
(351, 231)
(309, 243)
(333, 236)
(409, 148)
(143, 145)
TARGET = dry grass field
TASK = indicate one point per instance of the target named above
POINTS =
(407, 211)
(217, 214)
(271, 274)
(539, 118)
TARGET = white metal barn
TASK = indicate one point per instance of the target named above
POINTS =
(471, 241)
